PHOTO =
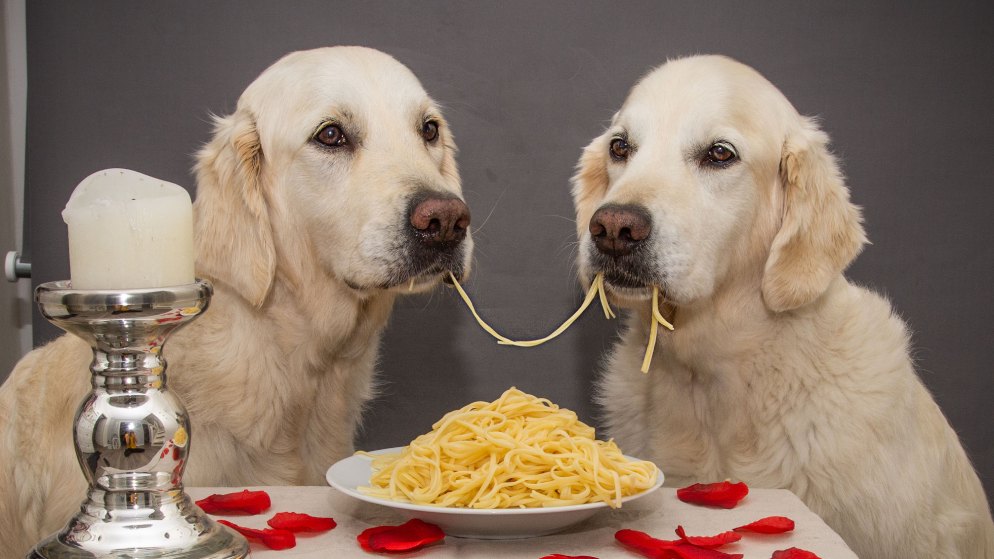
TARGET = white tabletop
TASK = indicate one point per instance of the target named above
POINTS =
(657, 514)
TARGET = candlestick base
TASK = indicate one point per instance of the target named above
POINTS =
(132, 435)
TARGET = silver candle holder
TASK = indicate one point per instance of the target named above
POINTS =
(132, 435)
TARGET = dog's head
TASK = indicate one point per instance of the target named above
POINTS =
(335, 165)
(708, 178)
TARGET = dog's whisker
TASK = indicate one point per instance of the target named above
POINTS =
(478, 228)
(563, 217)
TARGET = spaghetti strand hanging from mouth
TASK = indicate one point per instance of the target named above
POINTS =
(596, 287)
(596, 290)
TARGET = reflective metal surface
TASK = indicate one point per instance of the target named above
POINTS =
(132, 435)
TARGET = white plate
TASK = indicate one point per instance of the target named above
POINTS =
(353, 472)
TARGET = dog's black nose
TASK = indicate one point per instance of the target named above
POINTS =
(439, 219)
(617, 230)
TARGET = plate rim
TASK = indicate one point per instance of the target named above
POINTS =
(435, 509)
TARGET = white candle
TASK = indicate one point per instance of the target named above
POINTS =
(129, 231)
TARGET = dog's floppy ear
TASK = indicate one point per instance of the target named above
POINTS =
(590, 182)
(821, 231)
(234, 237)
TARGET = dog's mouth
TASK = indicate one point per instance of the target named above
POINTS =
(425, 269)
(630, 277)
(635, 292)
(627, 290)
(625, 281)
(413, 280)
(427, 279)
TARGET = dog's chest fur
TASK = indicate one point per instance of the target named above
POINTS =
(823, 402)
(715, 421)
(747, 401)
(298, 392)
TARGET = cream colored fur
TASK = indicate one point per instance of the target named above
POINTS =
(305, 249)
(780, 372)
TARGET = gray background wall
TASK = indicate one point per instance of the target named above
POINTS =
(15, 298)
(904, 91)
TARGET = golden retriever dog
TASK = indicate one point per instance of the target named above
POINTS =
(780, 373)
(330, 190)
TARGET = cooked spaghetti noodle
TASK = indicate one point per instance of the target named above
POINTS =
(596, 288)
(517, 451)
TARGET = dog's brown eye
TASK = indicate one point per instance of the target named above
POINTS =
(620, 149)
(429, 131)
(332, 136)
(721, 153)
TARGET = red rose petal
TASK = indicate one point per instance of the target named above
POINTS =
(685, 550)
(708, 541)
(411, 535)
(643, 543)
(300, 522)
(768, 525)
(654, 548)
(794, 553)
(722, 494)
(243, 502)
(271, 538)
(363, 537)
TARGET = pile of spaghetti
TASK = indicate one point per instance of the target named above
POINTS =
(517, 451)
